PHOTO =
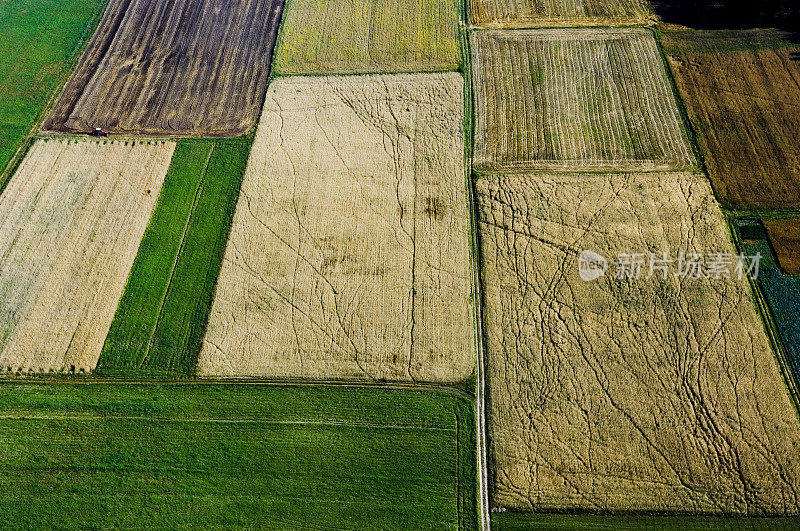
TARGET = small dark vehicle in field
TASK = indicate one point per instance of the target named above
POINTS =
(98, 132)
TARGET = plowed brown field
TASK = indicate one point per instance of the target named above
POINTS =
(188, 67)
(745, 107)
(622, 394)
(348, 255)
(71, 220)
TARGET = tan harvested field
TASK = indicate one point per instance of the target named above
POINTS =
(538, 13)
(745, 106)
(375, 36)
(784, 235)
(183, 67)
(348, 256)
(657, 394)
(574, 100)
(71, 220)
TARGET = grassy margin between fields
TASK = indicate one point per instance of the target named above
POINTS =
(159, 324)
(219, 455)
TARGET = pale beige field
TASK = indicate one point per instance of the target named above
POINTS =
(657, 394)
(71, 220)
(578, 99)
(348, 256)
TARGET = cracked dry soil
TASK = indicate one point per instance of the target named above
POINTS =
(348, 256)
(648, 395)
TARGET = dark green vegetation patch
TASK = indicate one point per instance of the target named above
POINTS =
(191, 455)
(39, 39)
(159, 323)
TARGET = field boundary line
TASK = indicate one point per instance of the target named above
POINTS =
(477, 287)
(732, 215)
(202, 420)
(146, 358)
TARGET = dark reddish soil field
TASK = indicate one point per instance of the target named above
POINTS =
(784, 235)
(177, 67)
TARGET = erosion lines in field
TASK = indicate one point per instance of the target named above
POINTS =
(361, 181)
(625, 394)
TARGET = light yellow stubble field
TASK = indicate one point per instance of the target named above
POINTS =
(348, 256)
(71, 220)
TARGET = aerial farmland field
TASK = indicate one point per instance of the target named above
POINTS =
(39, 43)
(235, 456)
(741, 91)
(182, 67)
(368, 36)
(348, 255)
(574, 99)
(71, 220)
(563, 13)
(651, 393)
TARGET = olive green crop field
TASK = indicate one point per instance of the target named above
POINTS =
(368, 36)
(39, 40)
(128, 455)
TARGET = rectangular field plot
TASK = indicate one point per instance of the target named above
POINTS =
(656, 393)
(348, 255)
(182, 67)
(784, 236)
(742, 93)
(543, 13)
(71, 220)
(235, 456)
(368, 36)
(574, 99)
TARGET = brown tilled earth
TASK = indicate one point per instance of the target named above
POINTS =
(784, 235)
(622, 394)
(184, 67)
(745, 107)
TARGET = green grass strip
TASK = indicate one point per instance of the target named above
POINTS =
(178, 336)
(158, 328)
(39, 40)
(233, 456)
(131, 333)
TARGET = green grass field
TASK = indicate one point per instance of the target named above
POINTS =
(159, 323)
(173, 456)
(552, 522)
(39, 39)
